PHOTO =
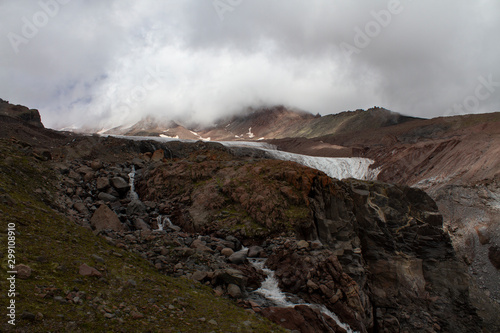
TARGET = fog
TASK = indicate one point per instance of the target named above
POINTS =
(104, 64)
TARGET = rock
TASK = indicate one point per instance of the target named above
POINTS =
(120, 185)
(199, 275)
(102, 183)
(136, 315)
(494, 256)
(302, 244)
(482, 233)
(81, 208)
(28, 316)
(139, 224)
(234, 291)
(255, 251)
(23, 271)
(88, 176)
(107, 197)
(238, 258)
(230, 275)
(73, 175)
(86, 270)
(105, 218)
(96, 165)
(158, 155)
(97, 258)
(136, 207)
(198, 244)
(226, 252)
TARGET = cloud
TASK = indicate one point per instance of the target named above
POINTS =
(105, 64)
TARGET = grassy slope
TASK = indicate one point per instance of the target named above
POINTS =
(55, 247)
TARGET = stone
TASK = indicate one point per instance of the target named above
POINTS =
(102, 183)
(96, 165)
(120, 184)
(88, 176)
(136, 207)
(238, 258)
(255, 251)
(136, 315)
(107, 197)
(28, 316)
(81, 208)
(198, 244)
(23, 271)
(199, 275)
(302, 244)
(139, 224)
(230, 275)
(226, 252)
(234, 291)
(86, 270)
(104, 218)
(158, 155)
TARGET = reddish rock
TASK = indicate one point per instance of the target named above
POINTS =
(105, 218)
(86, 270)
(158, 155)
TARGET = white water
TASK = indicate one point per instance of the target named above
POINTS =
(271, 291)
(131, 178)
(164, 221)
(340, 168)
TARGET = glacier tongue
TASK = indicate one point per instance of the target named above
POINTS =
(340, 168)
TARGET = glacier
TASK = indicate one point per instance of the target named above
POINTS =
(334, 167)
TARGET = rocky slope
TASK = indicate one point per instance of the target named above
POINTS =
(268, 123)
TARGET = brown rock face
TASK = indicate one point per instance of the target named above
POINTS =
(30, 116)
(105, 218)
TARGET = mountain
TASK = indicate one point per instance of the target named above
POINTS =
(415, 250)
(269, 123)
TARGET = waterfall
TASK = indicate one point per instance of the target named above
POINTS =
(131, 176)
(163, 222)
(270, 291)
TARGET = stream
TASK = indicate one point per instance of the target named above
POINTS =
(269, 294)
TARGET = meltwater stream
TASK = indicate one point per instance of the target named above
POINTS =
(270, 291)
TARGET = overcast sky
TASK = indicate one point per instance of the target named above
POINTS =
(105, 63)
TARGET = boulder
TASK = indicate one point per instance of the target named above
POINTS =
(255, 251)
(81, 208)
(120, 185)
(102, 183)
(158, 155)
(226, 252)
(238, 258)
(234, 291)
(107, 197)
(139, 224)
(230, 276)
(105, 218)
(86, 270)
(136, 207)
